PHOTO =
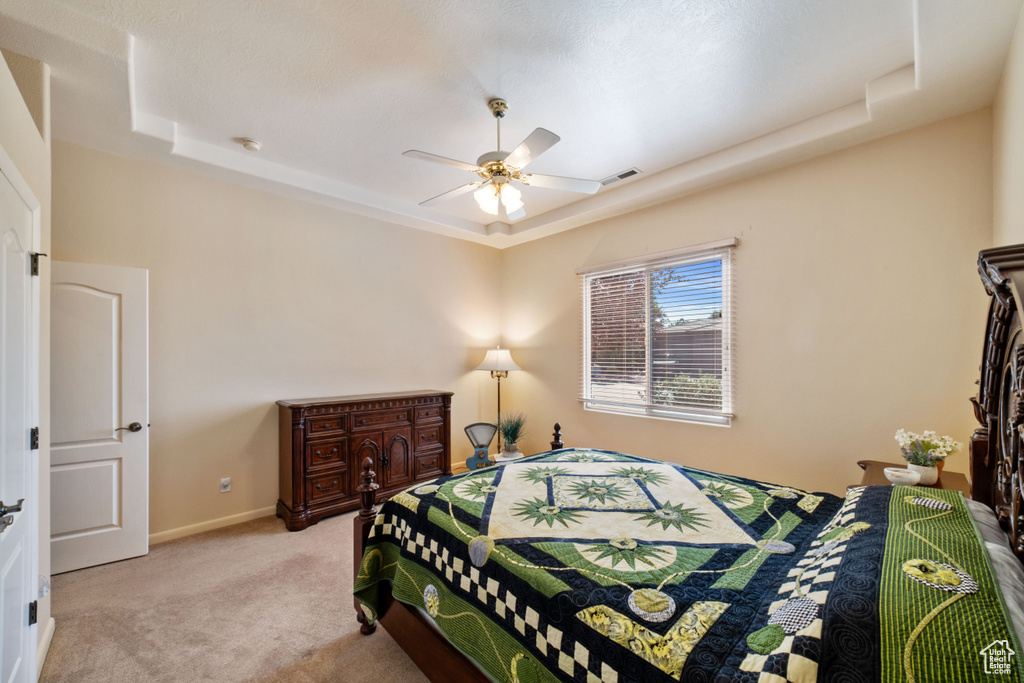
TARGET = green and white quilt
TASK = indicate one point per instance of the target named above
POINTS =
(585, 565)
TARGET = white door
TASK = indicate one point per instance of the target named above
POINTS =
(19, 557)
(99, 408)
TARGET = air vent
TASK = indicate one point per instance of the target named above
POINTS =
(621, 176)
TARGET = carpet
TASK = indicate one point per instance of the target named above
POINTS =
(250, 602)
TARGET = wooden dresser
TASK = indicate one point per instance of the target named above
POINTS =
(324, 441)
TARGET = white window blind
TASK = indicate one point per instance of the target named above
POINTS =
(657, 336)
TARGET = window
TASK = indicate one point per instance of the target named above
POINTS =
(657, 335)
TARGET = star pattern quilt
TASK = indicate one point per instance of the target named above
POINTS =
(588, 565)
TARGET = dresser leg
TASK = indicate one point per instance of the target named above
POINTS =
(293, 520)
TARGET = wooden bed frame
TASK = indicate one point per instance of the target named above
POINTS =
(996, 462)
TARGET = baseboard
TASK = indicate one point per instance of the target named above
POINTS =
(182, 531)
(44, 646)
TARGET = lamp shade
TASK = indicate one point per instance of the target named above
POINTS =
(511, 198)
(487, 198)
(498, 360)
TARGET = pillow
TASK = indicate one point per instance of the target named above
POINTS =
(989, 527)
(1010, 573)
(1008, 569)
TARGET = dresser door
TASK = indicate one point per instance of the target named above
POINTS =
(398, 459)
(367, 445)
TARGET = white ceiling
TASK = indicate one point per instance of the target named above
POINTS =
(693, 92)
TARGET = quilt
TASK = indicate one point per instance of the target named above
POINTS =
(589, 565)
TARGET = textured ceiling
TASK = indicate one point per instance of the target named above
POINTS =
(692, 92)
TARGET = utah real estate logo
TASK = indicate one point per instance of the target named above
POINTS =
(998, 657)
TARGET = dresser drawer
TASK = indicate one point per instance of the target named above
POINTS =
(378, 418)
(429, 414)
(428, 464)
(428, 437)
(325, 425)
(326, 454)
(327, 486)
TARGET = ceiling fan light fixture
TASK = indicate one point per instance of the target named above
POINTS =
(511, 198)
(487, 198)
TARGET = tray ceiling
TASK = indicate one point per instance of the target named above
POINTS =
(692, 93)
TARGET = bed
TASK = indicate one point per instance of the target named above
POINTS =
(591, 565)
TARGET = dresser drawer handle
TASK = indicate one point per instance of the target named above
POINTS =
(321, 489)
(329, 455)
(363, 421)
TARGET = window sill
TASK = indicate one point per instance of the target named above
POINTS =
(657, 414)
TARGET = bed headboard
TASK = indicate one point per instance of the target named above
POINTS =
(997, 446)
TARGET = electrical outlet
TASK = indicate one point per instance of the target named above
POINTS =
(225, 484)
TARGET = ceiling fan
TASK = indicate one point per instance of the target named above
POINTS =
(495, 193)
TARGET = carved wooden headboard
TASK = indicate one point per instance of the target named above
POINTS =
(997, 450)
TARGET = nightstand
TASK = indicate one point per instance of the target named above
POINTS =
(948, 481)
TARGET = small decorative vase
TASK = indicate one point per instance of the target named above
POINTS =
(929, 475)
(938, 466)
(510, 451)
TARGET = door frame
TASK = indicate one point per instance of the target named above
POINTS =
(32, 514)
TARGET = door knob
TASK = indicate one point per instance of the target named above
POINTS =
(133, 427)
(5, 522)
(4, 510)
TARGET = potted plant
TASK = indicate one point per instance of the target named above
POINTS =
(926, 452)
(512, 428)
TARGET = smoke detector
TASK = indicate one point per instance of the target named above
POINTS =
(250, 144)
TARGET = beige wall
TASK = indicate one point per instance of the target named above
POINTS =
(22, 142)
(1008, 147)
(255, 298)
(857, 302)
(858, 308)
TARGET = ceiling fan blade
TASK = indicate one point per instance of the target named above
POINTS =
(451, 194)
(535, 144)
(555, 182)
(427, 156)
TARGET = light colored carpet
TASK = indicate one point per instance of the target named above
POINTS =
(251, 602)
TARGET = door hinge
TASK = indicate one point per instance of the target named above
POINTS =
(33, 609)
(33, 439)
(35, 261)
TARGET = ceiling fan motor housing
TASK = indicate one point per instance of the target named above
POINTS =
(490, 158)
